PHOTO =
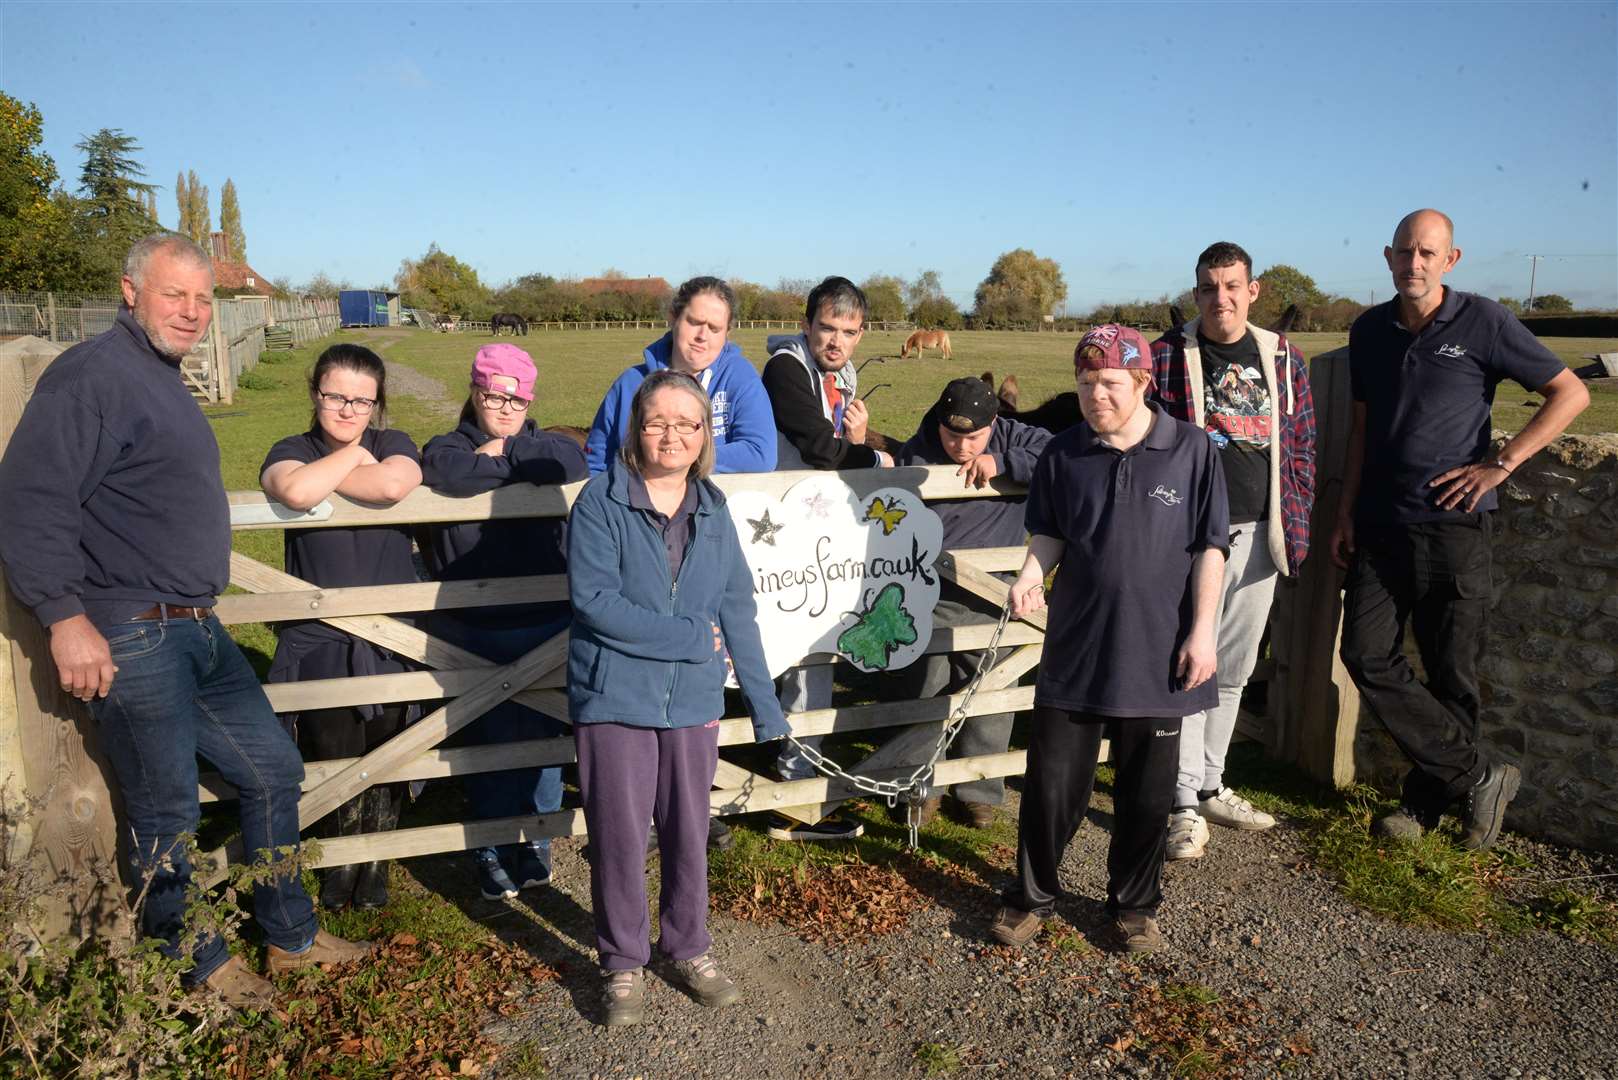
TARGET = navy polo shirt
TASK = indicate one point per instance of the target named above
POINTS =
(1428, 398)
(676, 530)
(1133, 522)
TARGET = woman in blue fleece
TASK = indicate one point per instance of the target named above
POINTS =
(660, 590)
(697, 344)
(497, 443)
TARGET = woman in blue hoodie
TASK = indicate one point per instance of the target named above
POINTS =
(498, 443)
(660, 590)
(697, 344)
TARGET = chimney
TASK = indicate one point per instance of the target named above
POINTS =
(221, 247)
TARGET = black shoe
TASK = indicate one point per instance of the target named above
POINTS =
(719, 834)
(371, 890)
(782, 827)
(530, 866)
(1486, 806)
(337, 887)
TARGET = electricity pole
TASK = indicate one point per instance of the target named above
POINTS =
(1533, 263)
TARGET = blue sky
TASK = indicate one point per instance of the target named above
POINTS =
(771, 141)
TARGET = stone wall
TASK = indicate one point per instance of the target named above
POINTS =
(1550, 673)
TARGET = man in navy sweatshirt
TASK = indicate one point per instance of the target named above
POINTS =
(964, 429)
(120, 548)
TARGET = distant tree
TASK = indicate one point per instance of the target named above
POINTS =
(201, 217)
(151, 205)
(110, 180)
(1552, 304)
(937, 313)
(322, 286)
(230, 222)
(1511, 304)
(1021, 288)
(926, 287)
(282, 288)
(182, 203)
(440, 282)
(884, 298)
(1284, 286)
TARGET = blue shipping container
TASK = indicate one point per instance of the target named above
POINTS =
(360, 307)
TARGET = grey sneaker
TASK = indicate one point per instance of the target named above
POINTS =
(1133, 932)
(1403, 824)
(1486, 806)
(705, 982)
(624, 998)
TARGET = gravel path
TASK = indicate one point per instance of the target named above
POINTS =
(1290, 978)
(406, 380)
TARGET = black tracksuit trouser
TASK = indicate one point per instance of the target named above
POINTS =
(1434, 576)
(1061, 773)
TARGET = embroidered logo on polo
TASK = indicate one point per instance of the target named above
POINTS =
(1166, 496)
(1456, 351)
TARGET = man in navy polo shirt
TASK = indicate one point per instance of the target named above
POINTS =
(1132, 504)
(1414, 524)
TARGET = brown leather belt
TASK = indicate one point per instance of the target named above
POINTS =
(162, 612)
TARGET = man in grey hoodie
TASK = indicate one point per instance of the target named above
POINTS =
(821, 424)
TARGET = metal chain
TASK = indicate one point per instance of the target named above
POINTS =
(914, 788)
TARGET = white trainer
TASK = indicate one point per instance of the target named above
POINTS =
(1234, 812)
(1188, 835)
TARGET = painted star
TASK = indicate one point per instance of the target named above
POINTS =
(818, 506)
(765, 529)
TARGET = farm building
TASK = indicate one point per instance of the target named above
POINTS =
(368, 307)
(235, 276)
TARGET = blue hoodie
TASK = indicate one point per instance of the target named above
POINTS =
(743, 424)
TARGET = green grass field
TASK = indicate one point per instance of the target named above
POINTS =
(576, 367)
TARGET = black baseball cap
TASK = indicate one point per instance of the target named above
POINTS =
(967, 405)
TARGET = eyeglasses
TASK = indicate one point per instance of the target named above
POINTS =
(501, 401)
(661, 427)
(361, 406)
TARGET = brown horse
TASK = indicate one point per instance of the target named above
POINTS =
(926, 339)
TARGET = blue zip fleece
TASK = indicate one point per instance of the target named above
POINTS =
(743, 424)
(642, 649)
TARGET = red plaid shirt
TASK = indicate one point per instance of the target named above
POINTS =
(1294, 432)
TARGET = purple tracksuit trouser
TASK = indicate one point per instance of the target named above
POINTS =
(631, 778)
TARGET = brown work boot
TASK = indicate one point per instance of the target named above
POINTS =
(238, 987)
(1134, 932)
(326, 949)
(1015, 927)
(979, 815)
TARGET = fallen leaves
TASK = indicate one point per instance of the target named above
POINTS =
(836, 902)
(412, 1009)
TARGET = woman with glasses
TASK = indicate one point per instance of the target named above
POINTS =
(349, 450)
(497, 443)
(660, 590)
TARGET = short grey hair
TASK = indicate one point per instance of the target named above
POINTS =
(176, 244)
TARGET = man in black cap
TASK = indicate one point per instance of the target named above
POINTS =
(964, 428)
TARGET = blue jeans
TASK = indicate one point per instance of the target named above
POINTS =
(513, 792)
(184, 689)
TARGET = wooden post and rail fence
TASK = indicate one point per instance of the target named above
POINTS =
(51, 770)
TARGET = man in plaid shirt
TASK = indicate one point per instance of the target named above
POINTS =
(1249, 389)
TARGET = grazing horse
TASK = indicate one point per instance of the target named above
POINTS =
(926, 339)
(508, 321)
